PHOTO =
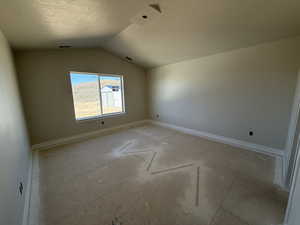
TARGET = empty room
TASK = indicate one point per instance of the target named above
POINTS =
(149, 112)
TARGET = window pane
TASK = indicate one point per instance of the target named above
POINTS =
(86, 97)
(111, 94)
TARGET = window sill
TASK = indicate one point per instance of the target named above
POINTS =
(86, 119)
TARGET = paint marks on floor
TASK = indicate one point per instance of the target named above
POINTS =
(124, 147)
(119, 151)
(149, 165)
(134, 152)
(172, 169)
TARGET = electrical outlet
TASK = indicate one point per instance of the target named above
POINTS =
(21, 188)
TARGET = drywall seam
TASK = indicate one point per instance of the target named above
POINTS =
(76, 138)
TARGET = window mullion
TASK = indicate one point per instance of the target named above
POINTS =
(100, 95)
(122, 94)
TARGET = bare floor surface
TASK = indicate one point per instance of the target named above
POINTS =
(155, 176)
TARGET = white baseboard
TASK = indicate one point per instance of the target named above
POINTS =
(278, 154)
(79, 137)
(25, 218)
(225, 140)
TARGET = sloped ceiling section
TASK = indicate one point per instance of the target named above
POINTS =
(50, 23)
(180, 30)
(194, 28)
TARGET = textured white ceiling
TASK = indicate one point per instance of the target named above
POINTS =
(48, 23)
(185, 29)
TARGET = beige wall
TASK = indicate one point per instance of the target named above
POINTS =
(14, 147)
(47, 93)
(231, 93)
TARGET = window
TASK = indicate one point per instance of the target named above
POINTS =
(96, 95)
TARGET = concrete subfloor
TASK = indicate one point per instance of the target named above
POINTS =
(151, 175)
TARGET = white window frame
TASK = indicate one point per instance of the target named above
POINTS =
(100, 97)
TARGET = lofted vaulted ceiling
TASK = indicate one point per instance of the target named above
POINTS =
(184, 29)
